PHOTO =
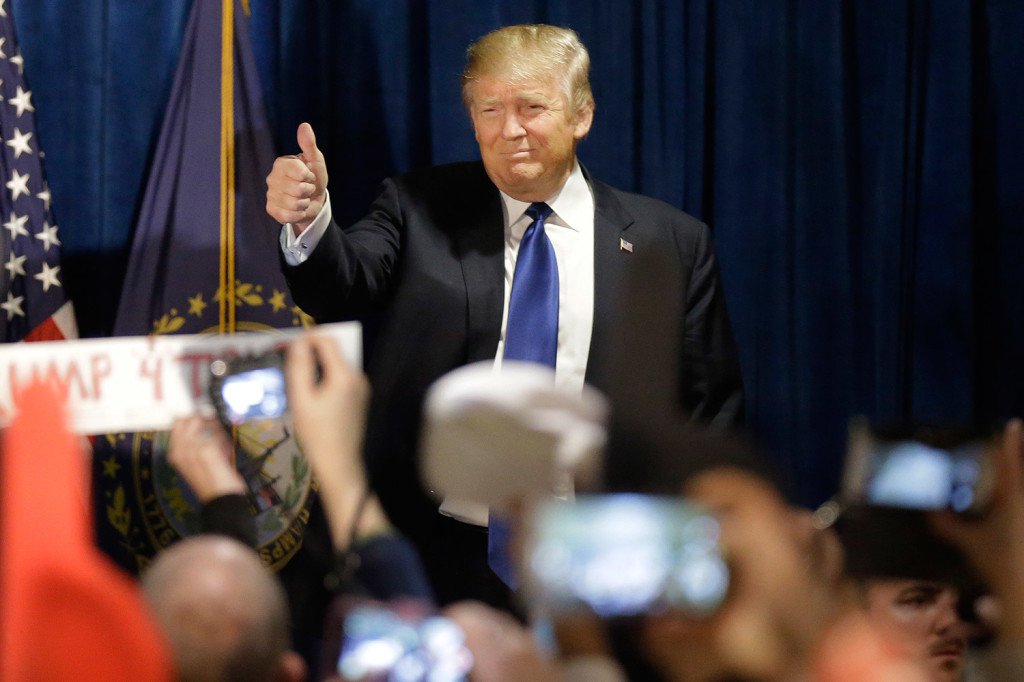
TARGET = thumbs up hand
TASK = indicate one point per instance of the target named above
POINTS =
(296, 184)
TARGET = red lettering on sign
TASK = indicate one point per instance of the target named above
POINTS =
(152, 368)
(101, 369)
(199, 362)
(62, 378)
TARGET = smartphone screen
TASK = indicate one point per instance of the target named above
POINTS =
(380, 643)
(909, 473)
(621, 555)
(917, 476)
(248, 388)
(254, 394)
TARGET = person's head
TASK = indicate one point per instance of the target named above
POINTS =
(527, 90)
(922, 617)
(783, 592)
(786, 576)
(223, 611)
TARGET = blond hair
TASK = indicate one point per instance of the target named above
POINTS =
(530, 52)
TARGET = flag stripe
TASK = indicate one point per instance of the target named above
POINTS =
(59, 326)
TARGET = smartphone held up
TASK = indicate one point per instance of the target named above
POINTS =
(925, 469)
(624, 555)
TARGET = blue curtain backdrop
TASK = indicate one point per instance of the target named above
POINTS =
(861, 165)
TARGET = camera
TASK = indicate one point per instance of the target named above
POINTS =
(624, 555)
(923, 469)
(248, 388)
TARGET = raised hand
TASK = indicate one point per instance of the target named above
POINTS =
(296, 186)
(201, 453)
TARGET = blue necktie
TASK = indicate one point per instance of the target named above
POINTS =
(531, 334)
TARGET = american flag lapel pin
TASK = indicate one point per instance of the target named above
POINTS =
(625, 246)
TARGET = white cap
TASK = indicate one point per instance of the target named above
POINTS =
(493, 437)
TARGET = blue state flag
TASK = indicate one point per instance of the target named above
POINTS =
(204, 261)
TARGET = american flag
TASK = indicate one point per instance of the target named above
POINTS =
(33, 303)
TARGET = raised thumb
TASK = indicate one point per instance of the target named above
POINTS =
(307, 142)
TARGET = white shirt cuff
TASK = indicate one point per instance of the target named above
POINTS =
(297, 250)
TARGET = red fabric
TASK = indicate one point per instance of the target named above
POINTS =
(68, 613)
(47, 331)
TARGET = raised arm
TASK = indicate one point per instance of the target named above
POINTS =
(201, 453)
(330, 418)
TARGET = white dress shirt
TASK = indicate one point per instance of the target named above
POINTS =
(571, 231)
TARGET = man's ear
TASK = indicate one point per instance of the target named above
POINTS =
(584, 117)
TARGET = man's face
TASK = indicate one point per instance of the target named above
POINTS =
(527, 134)
(922, 616)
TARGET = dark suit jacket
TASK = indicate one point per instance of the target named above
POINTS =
(426, 266)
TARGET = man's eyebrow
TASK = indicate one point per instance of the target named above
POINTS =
(925, 588)
(533, 96)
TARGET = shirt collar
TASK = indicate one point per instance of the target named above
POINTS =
(569, 204)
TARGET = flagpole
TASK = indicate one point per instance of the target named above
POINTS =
(227, 169)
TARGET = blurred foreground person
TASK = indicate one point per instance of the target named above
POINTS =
(68, 613)
(223, 611)
(788, 613)
(358, 551)
(784, 589)
(328, 400)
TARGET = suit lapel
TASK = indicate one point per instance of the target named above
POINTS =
(481, 247)
(611, 222)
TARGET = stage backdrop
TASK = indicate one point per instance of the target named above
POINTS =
(861, 165)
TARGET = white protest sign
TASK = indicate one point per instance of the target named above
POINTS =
(140, 383)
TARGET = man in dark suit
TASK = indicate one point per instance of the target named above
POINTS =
(437, 256)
